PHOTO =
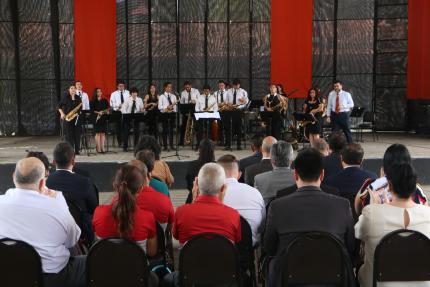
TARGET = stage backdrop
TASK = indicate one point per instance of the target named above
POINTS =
(291, 44)
(95, 42)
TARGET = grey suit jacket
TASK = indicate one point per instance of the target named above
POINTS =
(268, 183)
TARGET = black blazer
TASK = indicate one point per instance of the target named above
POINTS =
(332, 164)
(349, 180)
(289, 190)
(192, 171)
(260, 167)
(308, 209)
(78, 189)
(248, 161)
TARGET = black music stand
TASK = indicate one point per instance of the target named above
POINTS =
(303, 117)
(85, 119)
(179, 108)
(111, 118)
(136, 118)
(210, 116)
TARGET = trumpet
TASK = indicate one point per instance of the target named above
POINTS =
(73, 113)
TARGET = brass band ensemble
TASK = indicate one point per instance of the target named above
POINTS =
(135, 112)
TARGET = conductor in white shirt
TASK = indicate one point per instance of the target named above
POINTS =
(188, 96)
(167, 104)
(117, 99)
(83, 96)
(339, 107)
(206, 102)
(237, 98)
(131, 106)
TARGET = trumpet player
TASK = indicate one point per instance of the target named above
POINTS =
(205, 103)
(188, 96)
(167, 104)
(69, 108)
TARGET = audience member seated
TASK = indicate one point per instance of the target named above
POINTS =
(161, 170)
(43, 158)
(402, 212)
(289, 190)
(265, 163)
(150, 200)
(268, 183)
(332, 162)
(206, 154)
(123, 217)
(256, 156)
(352, 177)
(75, 188)
(242, 197)
(321, 145)
(395, 154)
(40, 217)
(207, 213)
(308, 209)
(148, 158)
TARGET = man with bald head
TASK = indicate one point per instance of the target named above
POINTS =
(32, 213)
(264, 165)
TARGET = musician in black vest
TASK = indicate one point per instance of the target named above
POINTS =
(167, 104)
(150, 103)
(314, 106)
(273, 103)
(68, 103)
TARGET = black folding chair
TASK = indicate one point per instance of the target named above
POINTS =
(114, 262)
(315, 258)
(20, 264)
(406, 248)
(246, 251)
(83, 244)
(209, 260)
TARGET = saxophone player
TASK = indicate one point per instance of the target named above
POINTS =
(221, 96)
(188, 96)
(273, 102)
(69, 108)
(167, 104)
(206, 102)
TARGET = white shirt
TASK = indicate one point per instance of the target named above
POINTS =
(345, 101)
(115, 99)
(248, 202)
(240, 94)
(163, 102)
(217, 94)
(42, 221)
(128, 104)
(201, 103)
(85, 100)
(194, 95)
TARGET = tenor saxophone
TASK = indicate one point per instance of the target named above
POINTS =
(189, 130)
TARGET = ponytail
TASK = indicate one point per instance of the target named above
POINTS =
(403, 179)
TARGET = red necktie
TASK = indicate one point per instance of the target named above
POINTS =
(337, 108)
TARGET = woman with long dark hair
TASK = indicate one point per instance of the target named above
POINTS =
(71, 103)
(123, 217)
(206, 154)
(150, 103)
(315, 107)
(100, 107)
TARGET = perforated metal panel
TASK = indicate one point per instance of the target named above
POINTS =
(8, 107)
(7, 51)
(191, 53)
(164, 50)
(138, 42)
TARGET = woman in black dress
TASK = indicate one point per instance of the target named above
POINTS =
(72, 127)
(100, 107)
(315, 107)
(150, 104)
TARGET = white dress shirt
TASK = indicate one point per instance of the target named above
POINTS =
(248, 202)
(345, 101)
(217, 94)
(163, 102)
(42, 221)
(194, 95)
(128, 104)
(201, 103)
(115, 99)
(85, 100)
(240, 94)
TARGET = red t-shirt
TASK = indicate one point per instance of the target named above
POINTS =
(104, 224)
(206, 214)
(159, 204)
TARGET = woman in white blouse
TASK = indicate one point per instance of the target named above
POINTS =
(377, 220)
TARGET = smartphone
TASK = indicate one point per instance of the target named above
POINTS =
(379, 183)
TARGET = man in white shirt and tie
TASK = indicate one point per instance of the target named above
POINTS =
(205, 103)
(247, 200)
(237, 99)
(83, 96)
(188, 96)
(117, 99)
(167, 104)
(132, 105)
(221, 97)
(339, 107)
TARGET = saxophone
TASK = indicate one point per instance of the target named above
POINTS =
(189, 130)
(73, 113)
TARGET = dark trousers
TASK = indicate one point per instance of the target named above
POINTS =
(73, 275)
(183, 128)
(339, 122)
(273, 125)
(73, 134)
(203, 129)
(233, 126)
(126, 125)
(151, 121)
(169, 122)
(118, 125)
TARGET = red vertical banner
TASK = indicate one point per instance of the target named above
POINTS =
(291, 44)
(418, 50)
(95, 44)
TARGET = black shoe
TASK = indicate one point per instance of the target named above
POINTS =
(239, 148)
(227, 148)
